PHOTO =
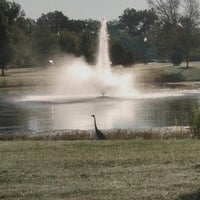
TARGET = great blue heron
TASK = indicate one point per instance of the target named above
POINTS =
(99, 134)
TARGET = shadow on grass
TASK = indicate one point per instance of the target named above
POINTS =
(193, 196)
(172, 77)
(5, 75)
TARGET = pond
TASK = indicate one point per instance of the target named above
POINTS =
(32, 109)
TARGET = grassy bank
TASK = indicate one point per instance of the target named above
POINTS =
(166, 72)
(133, 169)
(175, 132)
(27, 77)
(151, 73)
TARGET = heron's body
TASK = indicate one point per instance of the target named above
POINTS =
(99, 134)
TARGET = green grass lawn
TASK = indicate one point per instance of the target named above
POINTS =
(132, 169)
(27, 77)
(151, 73)
(166, 72)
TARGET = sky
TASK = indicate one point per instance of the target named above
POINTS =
(81, 9)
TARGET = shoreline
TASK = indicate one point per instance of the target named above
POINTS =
(173, 132)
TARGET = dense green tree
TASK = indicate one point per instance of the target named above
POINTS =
(163, 32)
(45, 45)
(10, 13)
(120, 55)
(27, 54)
(91, 26)
(134, 47)
(69, 43)
(81, 26)
(76, 37)
(137, 22)
(88, 46)
(56, 21)
(130, 30)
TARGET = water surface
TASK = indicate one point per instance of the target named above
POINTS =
(22, 109)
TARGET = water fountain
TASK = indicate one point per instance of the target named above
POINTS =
(103, 67)
(107, 82)
(79, 90)
(79, 79)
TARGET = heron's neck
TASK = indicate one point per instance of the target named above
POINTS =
(95, 123)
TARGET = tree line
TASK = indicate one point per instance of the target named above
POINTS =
(168, 30)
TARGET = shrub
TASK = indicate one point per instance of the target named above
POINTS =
(176, 58)
(194, 122)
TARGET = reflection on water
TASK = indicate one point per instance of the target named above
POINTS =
(111, 113)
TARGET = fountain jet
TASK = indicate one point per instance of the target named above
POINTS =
(106, 81)
(80, 78)
(103, 59)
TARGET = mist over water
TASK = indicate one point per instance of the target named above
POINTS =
(78, 78)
